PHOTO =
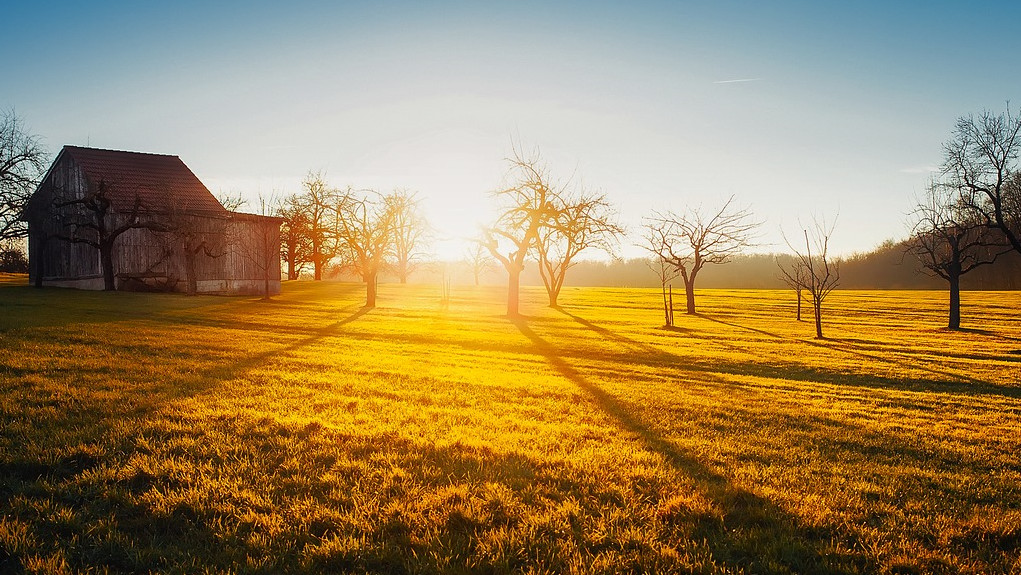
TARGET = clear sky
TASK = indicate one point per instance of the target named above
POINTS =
(797, 108)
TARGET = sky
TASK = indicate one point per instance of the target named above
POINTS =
(799, 110)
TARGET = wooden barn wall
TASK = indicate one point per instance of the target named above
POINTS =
(62, 259)
(240, 248)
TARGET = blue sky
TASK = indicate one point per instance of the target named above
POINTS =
(843, 109)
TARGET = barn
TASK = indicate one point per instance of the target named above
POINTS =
(108, 219)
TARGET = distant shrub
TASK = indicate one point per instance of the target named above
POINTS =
(13, 260)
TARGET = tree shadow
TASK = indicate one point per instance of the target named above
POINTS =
(848, 347)
(753, 532)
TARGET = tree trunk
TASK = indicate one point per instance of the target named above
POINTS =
(955, 302)
(554, 295)
(799, 303)
(106, 262)
(370, 290)
(318, 273)
(666, 310)
(40, 266)
(513, 281)
(476, 279)
(689, 294)
(291, 273)
(671, 308)
(817, 306)
(189, 272)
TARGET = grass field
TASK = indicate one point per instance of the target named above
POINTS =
(160, 433)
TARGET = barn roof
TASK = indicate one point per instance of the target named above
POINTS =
(160, 182)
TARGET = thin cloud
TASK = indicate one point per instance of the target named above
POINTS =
(738, 81)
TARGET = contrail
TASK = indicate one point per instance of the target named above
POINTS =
(735, 81)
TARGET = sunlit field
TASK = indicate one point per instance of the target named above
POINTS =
(162, 433)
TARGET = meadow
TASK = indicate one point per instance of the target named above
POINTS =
(171, 434)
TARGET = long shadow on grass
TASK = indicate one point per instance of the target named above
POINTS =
(754, 533)
(654, 356)
(849, 349)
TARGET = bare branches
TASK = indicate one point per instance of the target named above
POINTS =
(576, 223)
(980, 163)
(22, 164)
(410, 232)
(813, 269)
(690, 240)
(365, 230)
(950, 239)
(525, 207)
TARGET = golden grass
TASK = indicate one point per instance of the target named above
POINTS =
(172, 434)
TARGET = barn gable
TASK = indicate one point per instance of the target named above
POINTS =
(181, 237)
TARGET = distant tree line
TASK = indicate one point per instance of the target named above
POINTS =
(965, 231)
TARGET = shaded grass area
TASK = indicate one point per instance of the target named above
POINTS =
(153, 433)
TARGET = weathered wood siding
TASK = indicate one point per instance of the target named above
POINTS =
(240, 249)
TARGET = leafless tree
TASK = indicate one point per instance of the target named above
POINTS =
(792, 274)
(193, 236)
(319, 202)
(259, 247)
(655, 236)
(22, 164)
(231, 201)
(410, 232)
(980, 162)
(477, 257)
(365, 227)
(950, 241)
(525, 207)
(694, 238)
(817, 272)
(295, 235)
(90, 220)
(576, 224)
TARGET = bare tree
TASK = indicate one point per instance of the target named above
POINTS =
(695, 238)
(817, 273)
(257, 237)
(22, 164)
(655, 236)
(525, 208)
(792, 274)
(365, 228)
(950, 241)
(90, 220)
(478, 260)
(980, 162)
(295, 235)
(577, 223)
(410, 231)
(319, 202)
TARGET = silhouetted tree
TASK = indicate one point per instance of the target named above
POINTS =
(980, 162)
(950, 241)
(816, 272)
(792, 274)
(577, 223)
(90, 220)
(655, 238)
(365, 227)
(478, 260)
(295, 235)
(692, 239)
(22, 164)
(319, 202)
(410, 231)
(525, 207)
(12, 258)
